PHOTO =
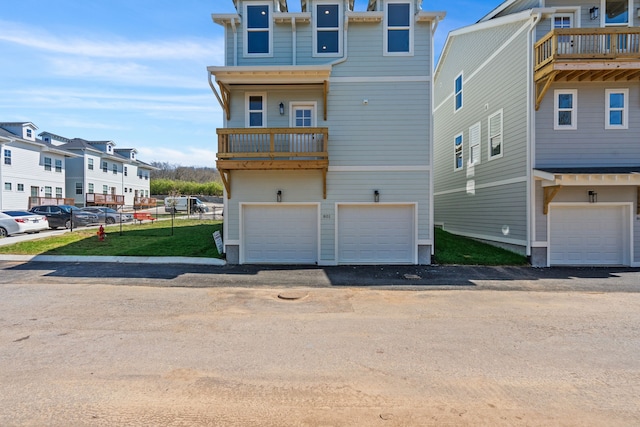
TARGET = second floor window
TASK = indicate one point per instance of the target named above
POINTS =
(105, 166)
(616, 12)
(125, 171)
(398, 29)
(617, 112)
(495, 135)
(91, 187)
(58, 165)
(59, 192)
(327, 29)
(257, 40)
(105, 189)
(457, 151)
(565, 109)
(114, 168)
(47, 163)
(90, 164)
(474, 144)
(7, 157)
(78, 188)
(256, 110)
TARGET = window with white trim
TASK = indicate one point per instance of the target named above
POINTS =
(58, 165)
(398, 22)
(114, 169)
(59, 192)
(78, 188)
(565, 110)
(258, 34)
(616, 12)
(47, 191)
(7, 186)
(458, 153)
(21, 187)
(256, 110)
(126, 172)
(457, 89)
(474, 144)
(7, 157)
(327, 29)
(496, 143)
(105, 189)
(90, 164)
(105, 167)
(47, 163)
(90, 189)
(617, 115)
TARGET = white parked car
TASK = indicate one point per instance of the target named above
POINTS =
(15, 222)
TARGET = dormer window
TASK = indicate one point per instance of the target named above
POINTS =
(109, 149)
(327, 29)
(258, 35)
(29, 133)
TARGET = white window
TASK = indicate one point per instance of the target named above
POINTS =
(474, 144)
(105, 166)
(458, 92)
(21, 187)
(458, 153)
(7, 157)
(105, 189)
(90, 164)
(616, 12)
(90, 188)
(398, 34)
(565, 112)
(496, 148)
(47, 191)
(59, 192)
(29, 133)
(617, 111)
(126, 172)
(47, 163)
(58, 165)
(256, 110)
(78, 188)
(327, 29)
(258, 34)
(7, 186)
(114, 168)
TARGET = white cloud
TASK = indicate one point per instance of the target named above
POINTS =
(186, 156)
(115, 47)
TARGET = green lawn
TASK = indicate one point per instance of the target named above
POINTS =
(452, 249)
(191, 238)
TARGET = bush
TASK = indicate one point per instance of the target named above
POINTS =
(168, 186)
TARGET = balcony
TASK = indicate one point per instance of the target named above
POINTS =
(144, 202)
(39, 201)
(272, 149)
(586, 55)
(94, 199)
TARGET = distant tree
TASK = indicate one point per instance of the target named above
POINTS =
(188, 180)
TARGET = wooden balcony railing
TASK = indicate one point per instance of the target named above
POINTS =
(104, 199)
(39, 201)
(144, 202)
(272, 149)
(586, 54)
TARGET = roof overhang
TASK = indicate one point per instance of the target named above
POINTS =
(608, 176)
(269, 75)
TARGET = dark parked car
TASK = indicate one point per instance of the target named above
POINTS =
(62, 215)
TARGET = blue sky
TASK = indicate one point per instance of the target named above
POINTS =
(132, 71)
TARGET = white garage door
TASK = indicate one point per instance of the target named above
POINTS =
(280, 234)
(589, 235)
(382, 234)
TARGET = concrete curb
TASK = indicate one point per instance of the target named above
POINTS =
(115, 259)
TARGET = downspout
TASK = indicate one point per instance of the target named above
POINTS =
(434, 27)
(531, 134)
(235, 41)
(294, 42)
(345, 38)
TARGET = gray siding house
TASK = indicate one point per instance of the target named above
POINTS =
(326, 149)
(537, 131)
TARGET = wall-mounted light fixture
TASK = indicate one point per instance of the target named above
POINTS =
(279, 196)
(593, 196)
(594, 13)
(282, 109)
(376, 196)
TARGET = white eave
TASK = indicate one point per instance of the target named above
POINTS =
(364, 16)
(298, 17)
(225, 18)
(314, 74)
(423, 16)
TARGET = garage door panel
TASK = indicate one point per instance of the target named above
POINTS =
(382, 234)
(282, 234)
(593, 235)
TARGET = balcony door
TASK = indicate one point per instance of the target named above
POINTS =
(303, 115)
(565, 43)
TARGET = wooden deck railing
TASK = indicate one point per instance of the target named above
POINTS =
(273, 143)
(39, 201)
(145, 202)
(104, 199)
(588, 44)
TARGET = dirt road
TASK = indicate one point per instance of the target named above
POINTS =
(103, 355)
